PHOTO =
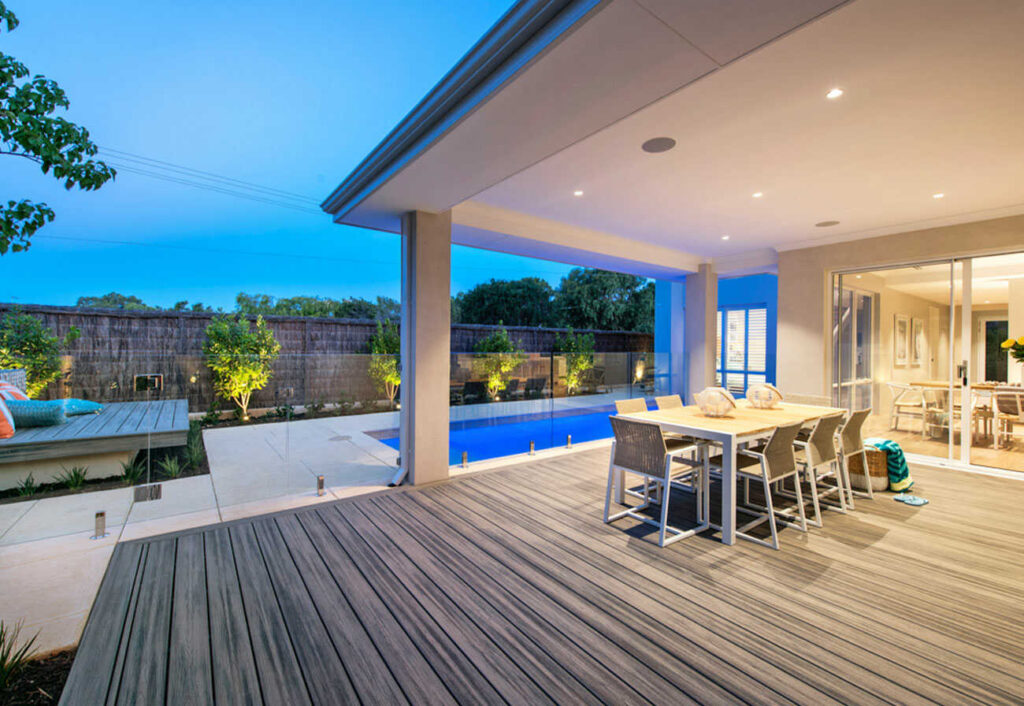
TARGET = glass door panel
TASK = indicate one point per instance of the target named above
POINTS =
(891, 338)
(994, 420)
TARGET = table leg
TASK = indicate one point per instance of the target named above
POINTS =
(729, 492)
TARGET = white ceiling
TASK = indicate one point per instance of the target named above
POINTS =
(933, 103)
(991, 280)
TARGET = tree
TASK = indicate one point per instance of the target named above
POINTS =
(522, 302)
(385, 346)
(578, 350)
(28, 129)
(26, 343)
(352, 308)
(596, 299)
(240, 357)
(496, 357)
(114, 300)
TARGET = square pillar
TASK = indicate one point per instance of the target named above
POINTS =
(426, 344)
(669, 338)
(701, 329)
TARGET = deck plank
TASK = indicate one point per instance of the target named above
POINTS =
(190, 669)
(234, 668)
(507, 587)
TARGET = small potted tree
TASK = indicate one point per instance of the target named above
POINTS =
(241, 357)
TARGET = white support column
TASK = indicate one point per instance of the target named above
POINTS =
(1015, 315)
(426, 344)
(669, 337)
(701, 317)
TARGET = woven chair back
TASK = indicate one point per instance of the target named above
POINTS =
(779, 451)
(851, 436)
(821, 446)
(637, 404)
(639, 446)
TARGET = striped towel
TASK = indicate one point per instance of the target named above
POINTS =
(899, 474)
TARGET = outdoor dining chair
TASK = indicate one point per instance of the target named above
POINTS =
(640, 448)
(820, 461)
(1008, 403)
(851, 443)
(678, 444)
(771, 463)
(907, 401)
(669, 401)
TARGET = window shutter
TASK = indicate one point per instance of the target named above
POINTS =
(757, 336)
(735, 339)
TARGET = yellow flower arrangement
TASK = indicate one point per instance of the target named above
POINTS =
(1015, 346)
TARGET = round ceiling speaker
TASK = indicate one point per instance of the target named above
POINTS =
(826, 224)
(658, 144)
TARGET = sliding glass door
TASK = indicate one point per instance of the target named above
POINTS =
(922, 346)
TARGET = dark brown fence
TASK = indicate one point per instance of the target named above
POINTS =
(322, 360)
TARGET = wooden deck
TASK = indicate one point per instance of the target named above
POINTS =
(121, 426)
(506, 587)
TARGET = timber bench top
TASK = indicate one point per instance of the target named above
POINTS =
(121, 426)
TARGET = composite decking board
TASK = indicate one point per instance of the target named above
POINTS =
(281, 679)
(233, 666)
(894, 602)
(144, 677)
(670, 679)
(417, 678)
(120, 426)
(366, 666)
(325, 674)
(89, 682)
(629, 679)
(189, 664)
(944, 664)
(689, 640)
(459, 673)
(492, 643)
(729, 612)
(584, 677)
(789, 570)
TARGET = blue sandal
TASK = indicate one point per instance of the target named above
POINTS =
(910, 499)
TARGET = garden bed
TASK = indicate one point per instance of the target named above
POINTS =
(41, 681)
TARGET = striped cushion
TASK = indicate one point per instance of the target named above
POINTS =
(9, 391)
(6, 422)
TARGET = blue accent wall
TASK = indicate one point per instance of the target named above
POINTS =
(755, 290)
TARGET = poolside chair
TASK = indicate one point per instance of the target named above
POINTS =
(771, 463)
(474, 391)
(851, 443)
(511, 390)
(640, 448)
(535, 387)
(907, 401)
(669, 401)
(820, 461)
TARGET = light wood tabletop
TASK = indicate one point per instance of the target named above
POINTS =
(944, 385)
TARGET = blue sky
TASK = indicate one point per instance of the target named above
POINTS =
(290, 95)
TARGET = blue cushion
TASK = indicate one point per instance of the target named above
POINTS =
(36, 413)
(75, 406)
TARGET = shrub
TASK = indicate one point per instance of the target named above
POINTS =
(27, 486)
(578, 350)
(13, 657)
(385, 346)
(73, 478)
(195, 453)
(240, 358)
(212, 415)
(171, 466)
(131, 472)
(498, 356)
(26, 343)
(315, 407)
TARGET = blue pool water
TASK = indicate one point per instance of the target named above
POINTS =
(504, 436)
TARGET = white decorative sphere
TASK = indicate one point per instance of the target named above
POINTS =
(764, 395)
(715, 401)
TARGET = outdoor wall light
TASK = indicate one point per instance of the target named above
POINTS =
(834, 93)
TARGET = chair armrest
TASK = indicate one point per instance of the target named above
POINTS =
(751, 454)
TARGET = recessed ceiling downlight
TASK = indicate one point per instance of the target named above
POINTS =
(834, 93)
(658, 144)
(578, 192)
(826, 224)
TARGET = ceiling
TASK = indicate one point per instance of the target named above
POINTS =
(991, 280)
(932, 103)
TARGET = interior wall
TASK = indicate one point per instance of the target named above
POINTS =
(805, 289)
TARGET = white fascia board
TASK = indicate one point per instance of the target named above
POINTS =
(751, 262)
(488, 227)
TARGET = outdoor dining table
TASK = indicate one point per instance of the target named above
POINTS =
(742, 426)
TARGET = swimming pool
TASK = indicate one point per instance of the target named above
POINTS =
(503, 436)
